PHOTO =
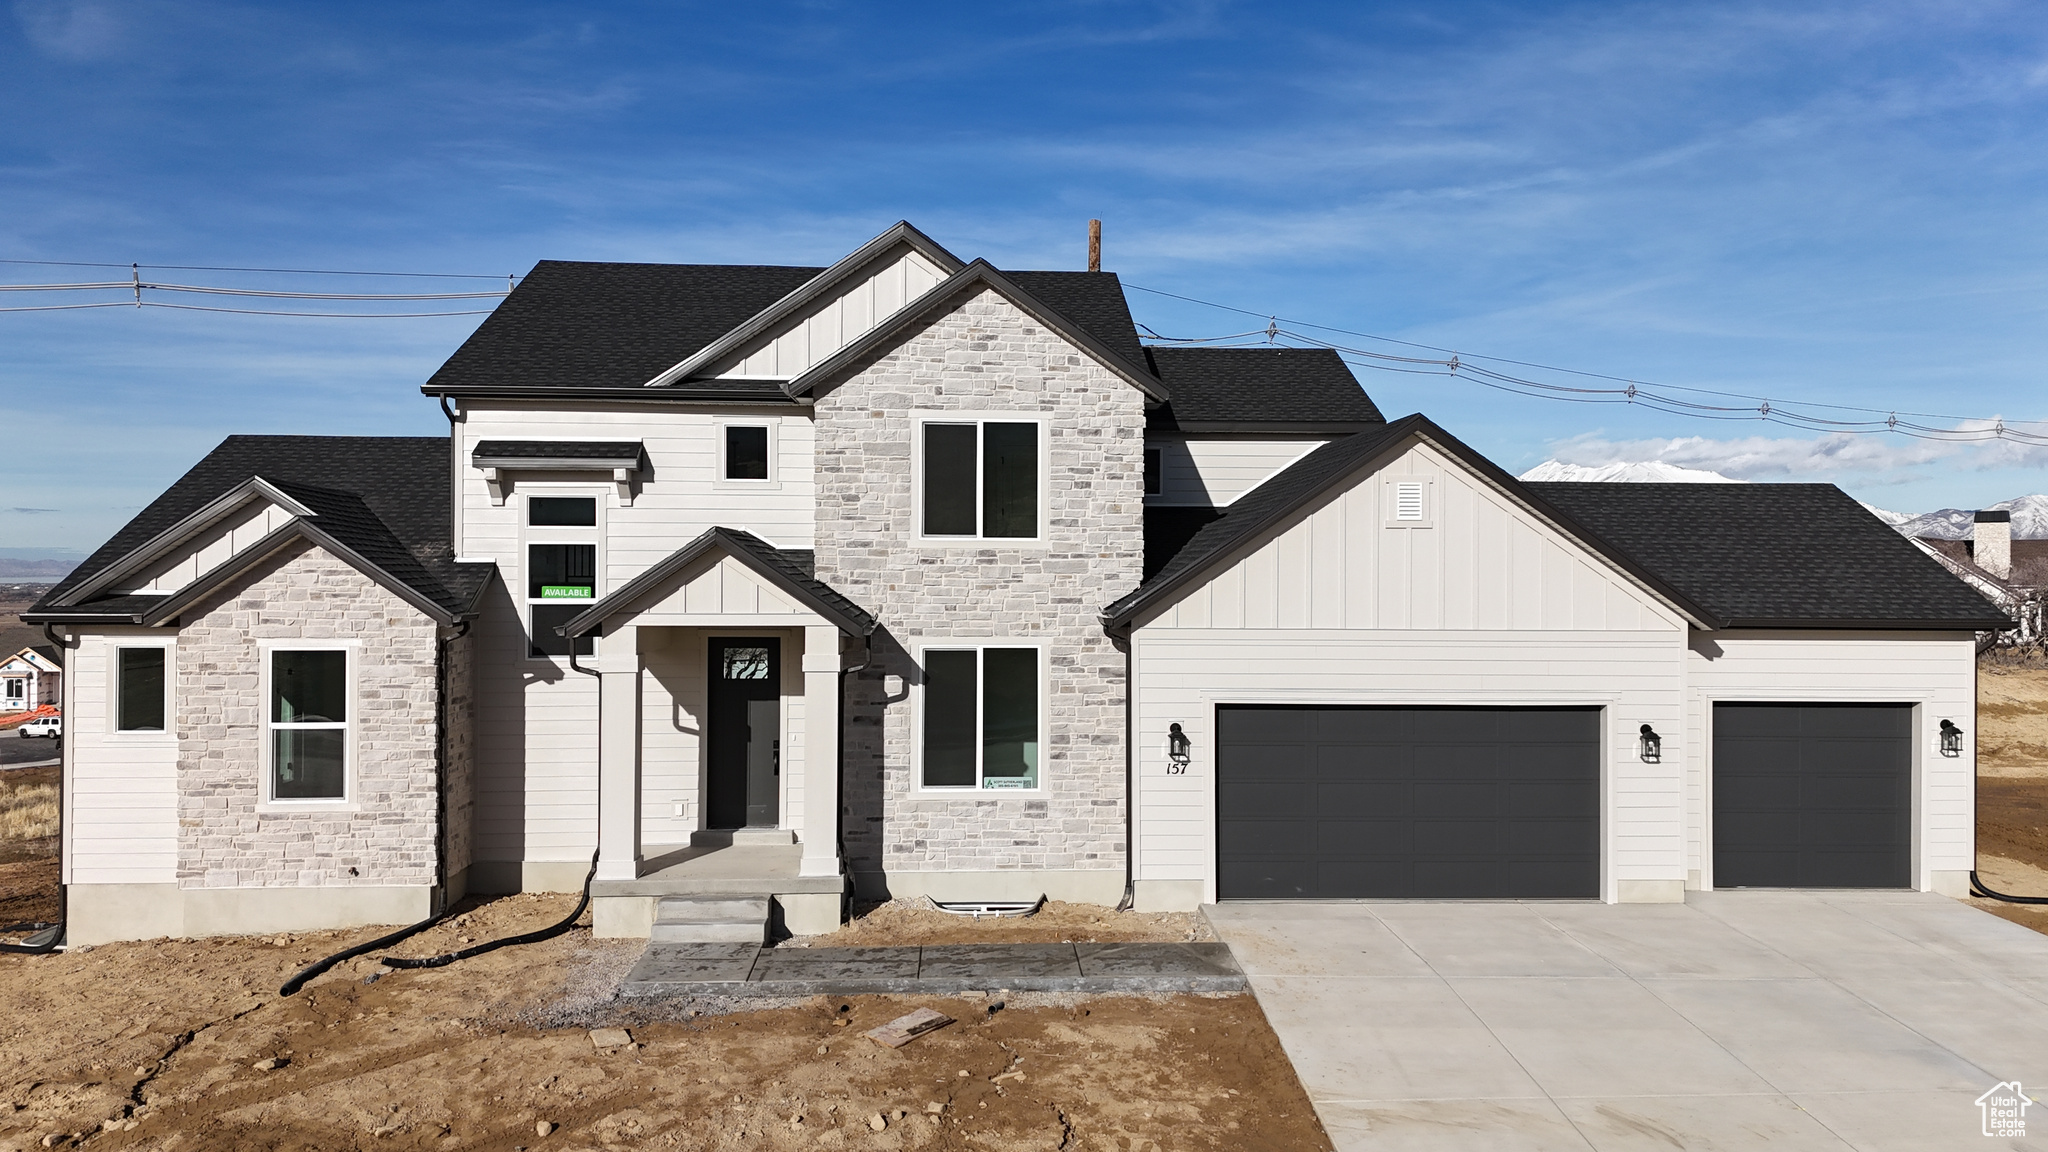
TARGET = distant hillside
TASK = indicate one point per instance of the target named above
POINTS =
(44, 571)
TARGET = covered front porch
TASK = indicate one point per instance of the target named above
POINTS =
(719, 730)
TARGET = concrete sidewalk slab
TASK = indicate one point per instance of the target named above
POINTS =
(1738, 1020)
(682, 969)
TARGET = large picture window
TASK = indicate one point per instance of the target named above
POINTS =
(981, 712)
(139, 687)
(561, 570)
(309, 710)
(980, 479)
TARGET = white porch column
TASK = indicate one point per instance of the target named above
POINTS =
(618, 755)
(820, 831)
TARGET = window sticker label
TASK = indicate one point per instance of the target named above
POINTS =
(565, 591)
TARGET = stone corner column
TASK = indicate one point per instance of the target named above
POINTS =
(819, 832)
(618, 755)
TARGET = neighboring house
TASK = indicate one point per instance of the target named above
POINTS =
(2012, 574)
(930, 578)
(31, 678)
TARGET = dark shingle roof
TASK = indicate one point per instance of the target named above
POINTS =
(1775, 555)
(606, 451)
(576, 324)
(1258, 386)
(1093, 302)
(384, 496)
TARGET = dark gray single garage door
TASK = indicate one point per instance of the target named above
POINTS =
(1813, 795)
(1398, 802)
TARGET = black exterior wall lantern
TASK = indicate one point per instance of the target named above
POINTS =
(1177, 750)
(1650, 745)
(1951, 739)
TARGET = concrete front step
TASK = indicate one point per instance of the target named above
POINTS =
(711, 920)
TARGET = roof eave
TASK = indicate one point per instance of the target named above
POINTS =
(165, 542)
(769, 394)
(1342, 427)
(1845, 624)
(918, 311)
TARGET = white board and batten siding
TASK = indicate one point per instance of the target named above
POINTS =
(835, 321)
(1213, 471)
(1934, 671)
(537, 719)
(220, 544)
(121, 794)
(1485, 606)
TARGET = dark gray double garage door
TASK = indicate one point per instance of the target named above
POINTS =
(1340, 803)
(1366, 802)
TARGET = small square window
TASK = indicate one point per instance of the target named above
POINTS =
(746, 452)
(139, 706)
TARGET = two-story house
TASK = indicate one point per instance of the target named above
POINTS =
(915, 576)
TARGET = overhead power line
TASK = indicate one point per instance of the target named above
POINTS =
(135, 286)
(1657, 397)
(292, 271)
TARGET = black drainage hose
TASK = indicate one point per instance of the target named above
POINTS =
(298, 981)
(1977, 888)
(548, 933)
(42, 943)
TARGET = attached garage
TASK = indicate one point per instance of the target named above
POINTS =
(1444, 802)
(1813, 795)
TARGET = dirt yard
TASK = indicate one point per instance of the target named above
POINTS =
(2012, 785)
(159, 1045)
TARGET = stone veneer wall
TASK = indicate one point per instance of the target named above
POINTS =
(223, 841)
(986, 355)
(458, 736)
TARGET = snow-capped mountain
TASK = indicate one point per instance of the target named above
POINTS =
(2029, 513)
(2029, 520)
(1628, 472)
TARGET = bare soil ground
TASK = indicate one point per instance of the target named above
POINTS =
(907, 922)
(156, 1045)
(2012, 785)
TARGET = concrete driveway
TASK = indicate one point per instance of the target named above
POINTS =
(1782, 1020)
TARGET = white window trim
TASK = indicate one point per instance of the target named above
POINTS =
(266, 742)
(918, 421)
(720, 480)
(114, 731)
(1391, 501)
(918, 786)
(529, 534)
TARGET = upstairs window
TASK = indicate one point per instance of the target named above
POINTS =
(981, 718)
(139, 690)
(746, 452)
(309, 725)
(561, 570)
(980, 479)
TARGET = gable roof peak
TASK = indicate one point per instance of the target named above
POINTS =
(902, 234)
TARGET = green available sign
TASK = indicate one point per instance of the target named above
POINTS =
(565, 591)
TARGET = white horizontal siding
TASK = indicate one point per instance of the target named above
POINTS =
(1182, 674)
(834, 321)
(121, 794)
(1936, 671)
(1482, 563)
(1216, 470)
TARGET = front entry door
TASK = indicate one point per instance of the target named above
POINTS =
(744, 735)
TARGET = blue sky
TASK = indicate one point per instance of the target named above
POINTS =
(1827, 203)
